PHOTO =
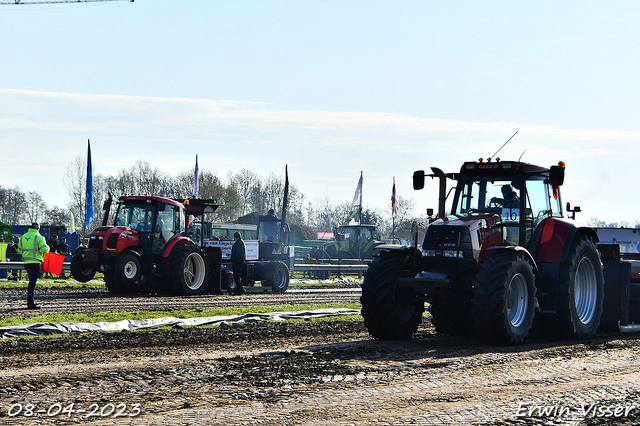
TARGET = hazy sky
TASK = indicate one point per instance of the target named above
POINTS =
(330, 88)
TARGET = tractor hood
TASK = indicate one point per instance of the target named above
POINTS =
(114, 239)
(463, 237)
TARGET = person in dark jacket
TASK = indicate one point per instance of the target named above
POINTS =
(237, 261)
(63, 249)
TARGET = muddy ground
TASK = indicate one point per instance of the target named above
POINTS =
(303, 373)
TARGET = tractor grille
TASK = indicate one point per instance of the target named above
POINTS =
(95, 242)
(441, 239)
(448, 248)
(112, 241)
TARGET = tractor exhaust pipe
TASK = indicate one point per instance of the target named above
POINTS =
(442, 193)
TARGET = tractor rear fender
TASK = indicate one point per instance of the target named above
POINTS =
(552, 239)
(550, 247)
(172, 244)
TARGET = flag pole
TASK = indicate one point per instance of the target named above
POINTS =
(86, 192)
(88, 204)
(360, 218)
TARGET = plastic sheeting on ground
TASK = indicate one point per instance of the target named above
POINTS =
(70, 327)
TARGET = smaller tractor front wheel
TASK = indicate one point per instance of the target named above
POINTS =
(128, 269)
(504, 299)
(187, 269)
(278, 277)
(80, 270)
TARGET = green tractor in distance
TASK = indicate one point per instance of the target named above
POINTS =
(353, 242)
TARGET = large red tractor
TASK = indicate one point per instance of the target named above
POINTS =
(147, 247)
(503, 256)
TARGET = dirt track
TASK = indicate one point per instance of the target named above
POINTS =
(304, 373)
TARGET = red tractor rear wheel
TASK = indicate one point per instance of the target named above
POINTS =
(580, 291)
(186, 270)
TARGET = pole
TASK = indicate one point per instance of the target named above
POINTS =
(360, 217)
(86, 196)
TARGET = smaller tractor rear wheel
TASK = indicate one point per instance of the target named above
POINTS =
(82, 271)
(112, 283)
(128, 269)
(277, 277)
(187, 269)
(504, 299)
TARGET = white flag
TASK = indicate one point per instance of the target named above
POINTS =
(356, 205)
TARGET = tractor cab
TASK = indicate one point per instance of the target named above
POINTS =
(152, 221)
(520, 195)
(273, 237)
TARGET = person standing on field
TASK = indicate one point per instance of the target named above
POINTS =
(32, 247)
(238, 259)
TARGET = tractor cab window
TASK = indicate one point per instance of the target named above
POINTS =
(540, 202)
(366, 233)
(269, 229)
(494, 195)
(171, 221)
(136, 217)
(491, 196)
(469, 198)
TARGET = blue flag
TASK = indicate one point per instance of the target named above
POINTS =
(89, 199)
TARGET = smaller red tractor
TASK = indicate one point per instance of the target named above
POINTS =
(147, 247)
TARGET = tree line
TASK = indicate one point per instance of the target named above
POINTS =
(243, 194)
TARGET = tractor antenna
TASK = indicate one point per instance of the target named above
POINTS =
(494, 155)
(521, 155)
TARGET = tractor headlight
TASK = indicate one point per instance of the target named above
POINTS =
(453, 253)
(429, 253)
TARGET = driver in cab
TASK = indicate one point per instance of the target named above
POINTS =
(509, 198)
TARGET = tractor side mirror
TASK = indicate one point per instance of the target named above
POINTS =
(558, 173)
(418, 179)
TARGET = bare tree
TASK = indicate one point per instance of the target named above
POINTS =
(13, 204)
(57, 216)
(36, 207)
(244, 182)
(75, 182)
(405, 213)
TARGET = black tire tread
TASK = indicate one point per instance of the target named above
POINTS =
(489, 311)
(378, 298)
